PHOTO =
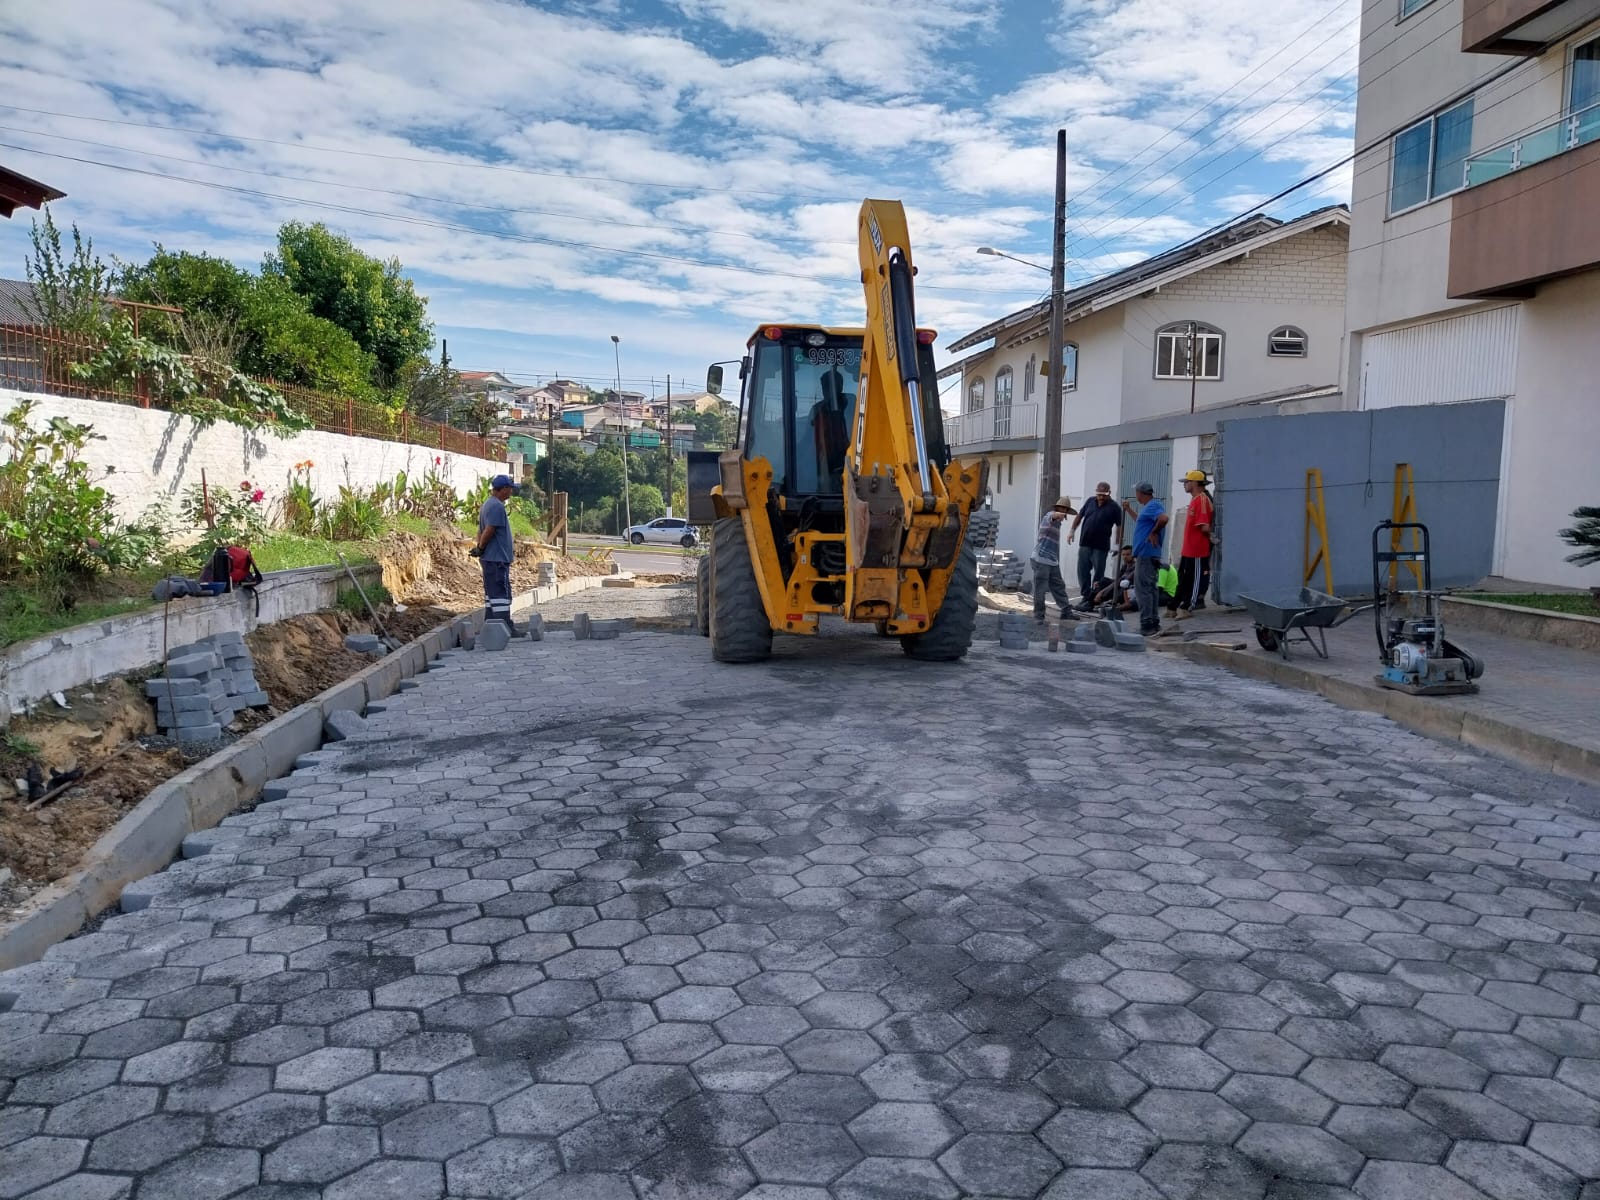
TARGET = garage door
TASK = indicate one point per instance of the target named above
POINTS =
(1470, 357)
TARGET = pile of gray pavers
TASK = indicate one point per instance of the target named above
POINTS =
(1013, 631)
(1000, 570)
(586, 629)
(1110, 632)
(206, 685)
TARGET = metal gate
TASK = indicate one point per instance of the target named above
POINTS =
(1146, 462)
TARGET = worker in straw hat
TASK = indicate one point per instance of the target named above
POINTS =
(1047, 560)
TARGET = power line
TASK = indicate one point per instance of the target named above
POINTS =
(493, 235)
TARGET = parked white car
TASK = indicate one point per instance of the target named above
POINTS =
(673, 530)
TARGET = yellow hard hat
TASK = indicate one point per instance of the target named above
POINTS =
(1196, 477)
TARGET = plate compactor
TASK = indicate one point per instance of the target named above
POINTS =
(1416, 656)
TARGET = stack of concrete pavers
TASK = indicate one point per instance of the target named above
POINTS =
(983, 526)
(365, 643)
(206, 685)
(1013, 631)
(547, 574)
(1000, 570)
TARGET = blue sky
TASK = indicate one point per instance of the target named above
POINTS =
(670, 171)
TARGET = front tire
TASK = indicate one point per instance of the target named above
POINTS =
(740, 631)
(637, 539)
(702, 597)
(950, 635)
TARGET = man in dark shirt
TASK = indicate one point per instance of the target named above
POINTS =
(1100, 517)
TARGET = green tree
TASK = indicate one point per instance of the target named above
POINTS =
(69, 290)
(715, 428)
(274, 332)
(367, 297)
(646, 502)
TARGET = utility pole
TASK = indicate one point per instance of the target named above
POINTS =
(669, 443)
(627, 501)
(1194, 373)
(550, 454)
(1050, 474)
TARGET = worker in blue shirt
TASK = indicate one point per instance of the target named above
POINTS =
(1149, 531)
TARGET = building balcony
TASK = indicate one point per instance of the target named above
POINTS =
(986, 426)
(1521, 27)
(1527, 212)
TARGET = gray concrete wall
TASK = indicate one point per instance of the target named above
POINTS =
(1454, 452)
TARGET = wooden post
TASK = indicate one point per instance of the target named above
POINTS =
(1405, 510)
(350, 416)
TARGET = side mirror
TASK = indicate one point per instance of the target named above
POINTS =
(714, 380)
(744, 366)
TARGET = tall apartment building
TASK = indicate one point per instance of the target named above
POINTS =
(1474, 269)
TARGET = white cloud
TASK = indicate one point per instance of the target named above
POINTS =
(728, 133)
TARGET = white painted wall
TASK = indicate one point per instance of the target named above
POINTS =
(1551, 463)
(151, 454)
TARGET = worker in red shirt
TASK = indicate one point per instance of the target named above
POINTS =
(1194, 568)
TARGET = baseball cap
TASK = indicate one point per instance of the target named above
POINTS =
(500, 481)
(1196, 477)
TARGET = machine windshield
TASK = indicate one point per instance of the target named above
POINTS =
(802, 409)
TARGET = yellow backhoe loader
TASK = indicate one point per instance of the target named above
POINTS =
(840, 496)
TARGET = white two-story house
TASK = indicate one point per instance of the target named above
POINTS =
(1475, 243)
(1248, 321)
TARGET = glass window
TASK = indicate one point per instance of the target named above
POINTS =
(1173, 348)
(1429, 159)
(1069, 364)
(1407, 7)
(1408, 182)
(1029, 374)
(825, 383)
(975, 395)
(1286, 342)
(765, 417)
(1583, 87)
(1002, 388)
(1452, 142)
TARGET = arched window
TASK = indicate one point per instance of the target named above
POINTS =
(1286, 341)
(1002, 388)
(975, 394)
(1173, 351)
(1069, 365)
(1029, 377)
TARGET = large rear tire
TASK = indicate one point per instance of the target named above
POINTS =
(702, 597)
(740, 631)
(950, 635)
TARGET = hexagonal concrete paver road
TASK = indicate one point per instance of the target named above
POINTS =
(608, 920)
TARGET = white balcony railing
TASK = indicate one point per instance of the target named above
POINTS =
(1000, 423)
(1549, 140)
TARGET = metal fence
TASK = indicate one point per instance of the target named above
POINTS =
(40, 360)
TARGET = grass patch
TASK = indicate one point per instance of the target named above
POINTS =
(520, 527)
(1572, 603)
(289, 551)
(349, 599)
(25, 613)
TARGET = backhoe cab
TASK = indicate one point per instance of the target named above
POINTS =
(840, 497)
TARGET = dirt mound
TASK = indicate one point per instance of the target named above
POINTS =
(436, 569)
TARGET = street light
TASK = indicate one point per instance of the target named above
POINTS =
(627, 503)
(1012, 257)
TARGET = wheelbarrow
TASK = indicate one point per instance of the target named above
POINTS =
(1307, 612)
